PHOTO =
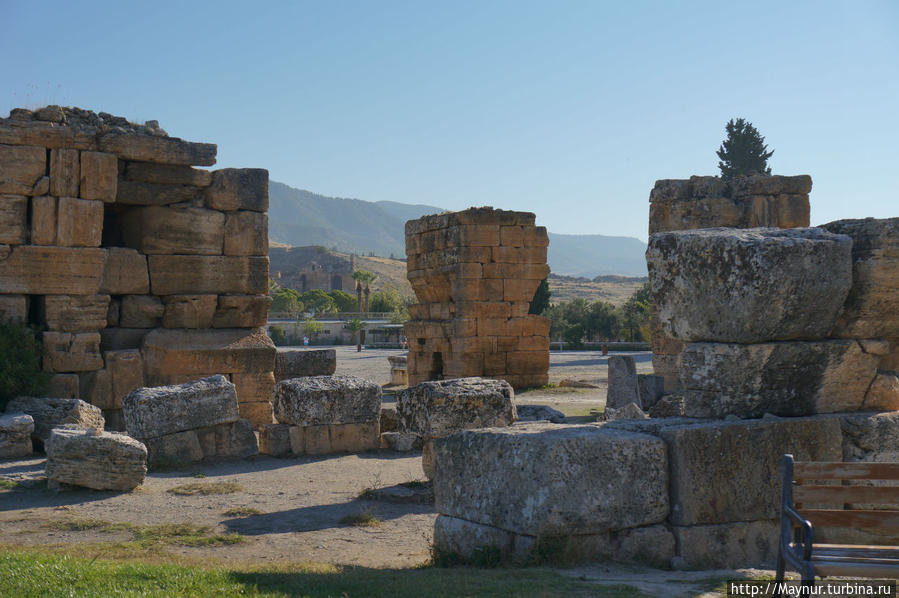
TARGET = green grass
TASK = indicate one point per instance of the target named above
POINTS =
(149, 536)
(206, 488)
(241, 512)
(8, 485)
(28, 573)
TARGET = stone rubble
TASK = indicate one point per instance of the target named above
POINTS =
(48, 413)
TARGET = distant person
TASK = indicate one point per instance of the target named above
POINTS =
(403, 343)
(305, 341)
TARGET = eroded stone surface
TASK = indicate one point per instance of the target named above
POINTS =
(95, 459)
(308, 362)
(437, 408)
(15, 435)
(320, 400)
(49, 413)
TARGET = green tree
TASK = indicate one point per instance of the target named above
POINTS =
(285, 300)
(344, 301)
(602, 321)
(743, 152)
(636, 313)
(363, 279)
(278, 336)
(312, 328)
(319, 301)
(357, 327)
(541, 298)
(20, 363)
(387, 299)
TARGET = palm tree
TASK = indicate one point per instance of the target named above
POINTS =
(363, 279)
(356, 326)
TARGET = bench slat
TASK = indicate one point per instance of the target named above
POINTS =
(881, 495)
(818, 470)
(880, 571)
(884, 520)
(856, 550)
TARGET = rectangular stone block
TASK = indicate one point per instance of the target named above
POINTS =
(258, 414)
(742, 481)
(167, 174)
(552, 479)
(20, 168)
(246, 233)
(171, 351)
(141, 311)
(96, 389)
(124, 272)
(99, 460)
(317, 440)
(519, 255)
(79, 222)
(787, 378)
(512, 236)
(64, 386)
(180, 447)
(43, 220)
(241, 311)
(238, 189)
(13, 219)
(44, 134)
(74, 313)
(150, 194)
(114, 313)
(322, 400)
(65, 172)
(355, 438)
(155, 412)
(274, 440)
(126, 370)
(298, 440)
(13, 307)
(527, 362)
(190, 311)
(163, 150)
(519, 290)
(99, 176)
(174, 231)
(66, 352)
(183, 274)
(254, 387)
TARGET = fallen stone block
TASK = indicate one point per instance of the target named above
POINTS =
(787, 378)
(622, 382)
(323, 400)
(154, 412)
(15, 435)
(706, 490)
(873, 303)
(49, 413)
(549, 479)
(749, 285)
(437, 408)
(307, 362)
(95, 459)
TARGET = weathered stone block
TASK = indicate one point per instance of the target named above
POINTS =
(872, 307)
(246, 233)
(238, 189)
(317, 440)
(183, 274)
(180, 447)
(438, 408)
(259, 413)
(242, 311)
(116, 339)
(13, 219)
(41, 187)
(124, 272)
(883, 395)
(623, 387)
(13, 307)
(72, 352)
(74, 313)
(254, 387)
(174, 230)
(706, 491)
(322, 400)
(232, 440)
(95, 459)
(297, 363)
(79, 222)
(728, 545)
(152, 148)
(402, 442)
(49, 413)
(65, 172)
(141, 311)
(274, 440)
(20, 168)
(749, 286)
(788, 378)
(154, 412)
(64, 386)
(189, 311)
(33, 270)
(43, 220)
(149, 194)
(123, 373)
(355, 438)
(15, 435)
(870, 437)
(651, 389)
(115, 421)
(99, 176)
(167, 174)
(171, 351)
(44, 134)
(297, 440)
(551, 479)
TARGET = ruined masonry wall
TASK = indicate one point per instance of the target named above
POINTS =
(138, 268)
(708, 202)
(474, 273)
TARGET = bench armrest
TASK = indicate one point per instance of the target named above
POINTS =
(807, 534)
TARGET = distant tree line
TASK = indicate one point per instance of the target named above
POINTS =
(291, 301)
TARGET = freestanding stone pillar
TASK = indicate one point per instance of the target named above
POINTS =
(474, 273)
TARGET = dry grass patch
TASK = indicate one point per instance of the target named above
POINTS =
(241, 512)
(148, 536)
(363, 519)
(206, 488)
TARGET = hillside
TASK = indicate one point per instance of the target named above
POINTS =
(301, 218)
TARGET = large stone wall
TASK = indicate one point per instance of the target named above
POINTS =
(474, 273)
(138, 268)
(709, 202)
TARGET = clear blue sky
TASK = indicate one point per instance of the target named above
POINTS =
(568, 109)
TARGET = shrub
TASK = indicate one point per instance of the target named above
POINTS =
(20, 363)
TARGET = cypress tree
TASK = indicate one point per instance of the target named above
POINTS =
(744, 151)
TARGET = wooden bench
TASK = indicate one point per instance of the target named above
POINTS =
(807, 506)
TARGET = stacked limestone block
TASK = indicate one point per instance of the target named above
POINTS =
(189, 422)
(708, 202)
(474, 273)
(108, 233)
(771, 318)
(323, 414)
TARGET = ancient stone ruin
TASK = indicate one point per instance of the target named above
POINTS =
(474, 273)
(788, 344)
(139, 269)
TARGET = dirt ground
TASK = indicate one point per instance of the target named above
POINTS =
(297, 503)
